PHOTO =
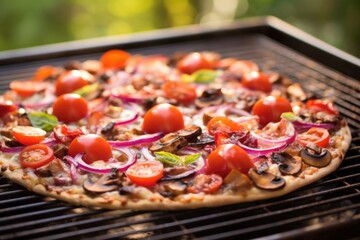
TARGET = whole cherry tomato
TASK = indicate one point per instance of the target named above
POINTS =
(92, 146)
(184, 93)
(227, 157)
(257, 81)
(321, 106)
(72, 80)
(145, 174)
(28, 135)
(36, 156)
(70, 107)
(193, 62)
(114, 59)
(269, 109)
(319, 136)
(242, 67)
(164, 118)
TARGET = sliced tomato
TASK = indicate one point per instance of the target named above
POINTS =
(269, 109)
(70, 107)
(92, 146)
(114, 59)
(319, 136)
(72, 80)
(184, 93)
(28, 135)
(223, 125)
(164, 118)
(36, 156)
(6, 107)
(227, 157)
(145, 174)
(64, 134)
(319, 105)
(27, 88)
(45, 72)
(193, 62)
(206, 183)
(257, 81)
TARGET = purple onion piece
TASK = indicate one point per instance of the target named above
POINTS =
(127, 121)
(138, 141)
(198, 167)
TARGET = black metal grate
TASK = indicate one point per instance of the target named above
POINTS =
(326, 209)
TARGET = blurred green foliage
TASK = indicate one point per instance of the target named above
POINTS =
(26, 23)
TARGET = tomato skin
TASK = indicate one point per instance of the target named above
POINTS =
(114, 59)
(227, 157)
(193, 62)
(64, 134)
(222, 125)
(184, 93)
(92, 146)
(145, 174)
(27, 88)
(270, 108)
(206, 183)
(36, 156)
(242, 67)
(44, 72)
(6, 107)
(163, 118)
(257, 81)
(28, 135)
(319, 136)
(72, 80)
(318, 105)
(70, 108)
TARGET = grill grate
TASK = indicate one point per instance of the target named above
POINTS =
(328, 208)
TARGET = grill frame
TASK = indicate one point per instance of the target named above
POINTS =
(20, 209)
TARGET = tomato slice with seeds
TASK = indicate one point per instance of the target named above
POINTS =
(114, 59)
(184, 93)
(319, 136)
(28, 135)
(206, 183)
(145, 174)
(27, 88)
(36, 156)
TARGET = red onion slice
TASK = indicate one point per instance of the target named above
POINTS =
(262, 151)
(304, 126)
(4, 149)
(147, 154)
(196, 168)
(149, 138)
(127, 121)
(287, 139)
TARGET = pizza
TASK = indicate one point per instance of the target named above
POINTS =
(162, 132)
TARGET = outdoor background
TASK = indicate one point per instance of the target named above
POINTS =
(26, 23)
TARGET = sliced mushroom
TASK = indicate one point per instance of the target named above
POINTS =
(288, 165)
(169, 143)
(266, 180)
(190, 133)
(315, 156)
(203, 139)
(210, 97)
(175, 187)
(106, 183)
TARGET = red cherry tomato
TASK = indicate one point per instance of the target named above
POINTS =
(72, 80)
(27, 88)
(114, 59)
(92, 146)
(184, 93)
(6, 107)
(227, 157)
(44, 72)
(223, 125)
(206, 183)
(64, 134)
(164, 118)
(242, 67)
(269, 109)
(70, 108)
(145, 174)
(36, 156)
(28, 135)
(321, 106)
(256, 81)
(193, 62)
(319, 136)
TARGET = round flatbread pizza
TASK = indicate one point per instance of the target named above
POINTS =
(160, 132)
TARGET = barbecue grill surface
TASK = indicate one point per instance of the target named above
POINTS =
(327, 209)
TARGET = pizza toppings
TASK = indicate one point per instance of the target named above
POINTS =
(206, 183)
(288, 164)
(319, 136)
(28, 135)
(316, 156)
(70, 107)
(266, 180)
(36, 156)
(210, 97)
(105, 183)
(145, 173)
(70, 81)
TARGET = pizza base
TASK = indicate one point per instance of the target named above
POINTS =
(154, 201)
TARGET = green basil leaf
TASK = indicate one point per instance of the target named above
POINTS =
(189, 159)
(168, 158)
(204, 76)
(87, 90)
(290, 116)
(43, 120)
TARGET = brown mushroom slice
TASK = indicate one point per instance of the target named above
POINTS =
(175, 187)
(288, 165)
(190, 133)
(266, 180)
(169, 143)
(106, 183)
(210, 97)
(315, 156)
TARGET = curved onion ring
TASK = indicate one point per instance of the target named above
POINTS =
(140, 140)
(198, 169)
(4, 149)
(267, 141)
(127, 121)
(307, 125)
(147, 154)
(127, 98)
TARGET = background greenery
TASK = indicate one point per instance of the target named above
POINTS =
(26, 23)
